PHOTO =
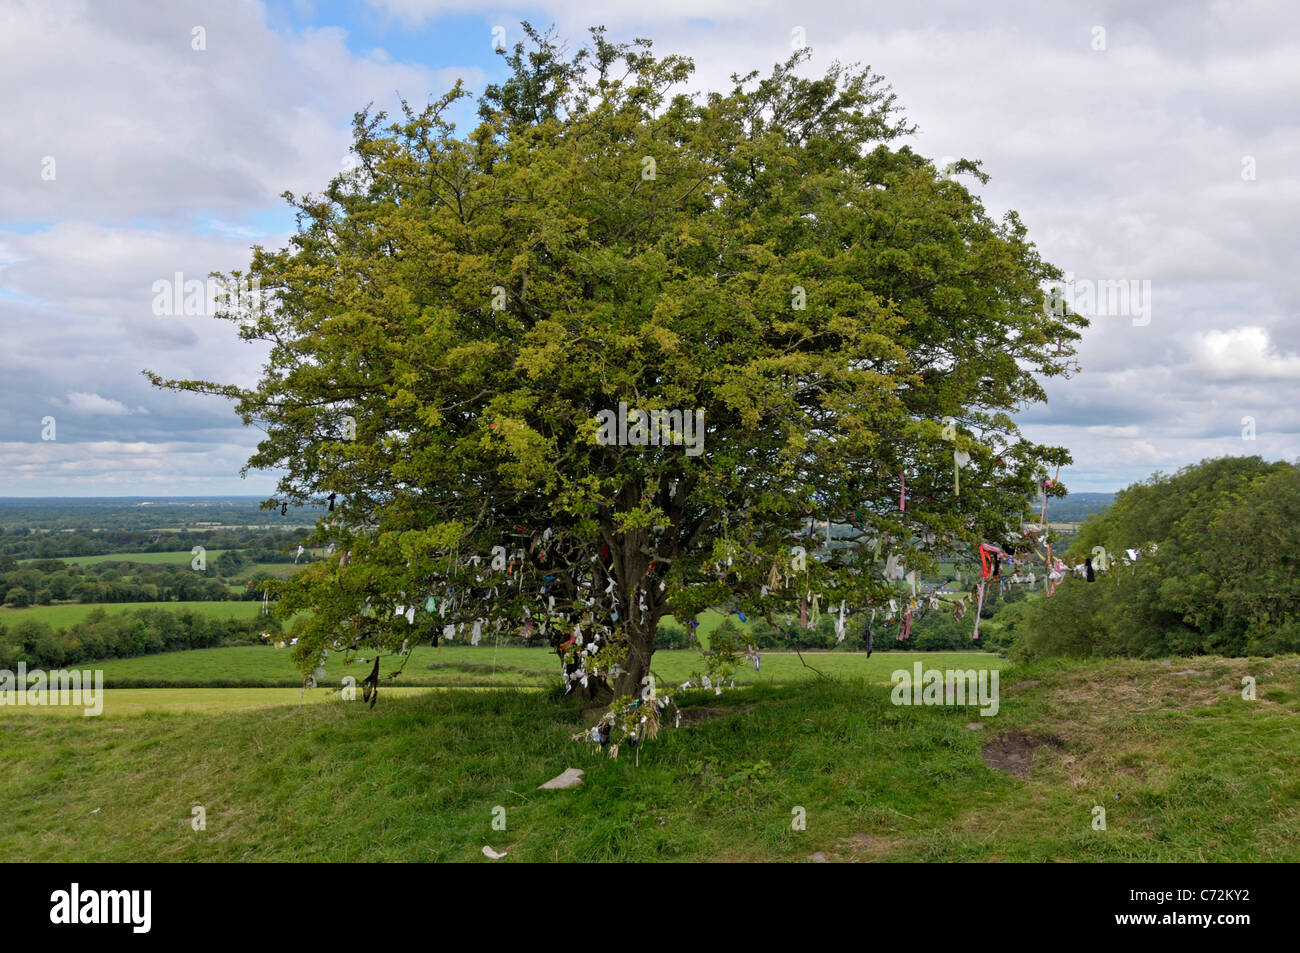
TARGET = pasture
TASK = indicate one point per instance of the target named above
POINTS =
(1185, 768)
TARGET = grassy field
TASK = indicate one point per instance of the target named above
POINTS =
(62, 616)
(485, 666)
(132, 702)
(180, 558)
(1185, 768)
(278, 570)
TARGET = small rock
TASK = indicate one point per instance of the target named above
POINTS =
(975, 725)
(571, 778)
(1029, 684)
(819, 858)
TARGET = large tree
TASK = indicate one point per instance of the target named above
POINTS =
(454, 315)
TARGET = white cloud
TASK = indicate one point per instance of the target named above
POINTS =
(1244, 354)
(1108, 431)
(95, 404)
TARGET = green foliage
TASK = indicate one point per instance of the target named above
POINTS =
(670, 635)
(1219, 570)
(18, 596)
(103, 635)
(454, 314)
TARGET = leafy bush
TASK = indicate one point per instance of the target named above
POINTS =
(123, 635)
(1218, 573)
(671, 635)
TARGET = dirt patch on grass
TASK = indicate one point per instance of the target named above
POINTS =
(694, 716)
(870, 846)
(1021, 686)
(1013, 752)
(1153, 688)
(859, 848)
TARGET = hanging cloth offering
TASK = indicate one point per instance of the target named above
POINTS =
(959, 459)
(1087, 569)
(902, 493)
(839, 624)
(979, 604)
(990, 560)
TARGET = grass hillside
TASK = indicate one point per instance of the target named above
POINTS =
(1185, 768)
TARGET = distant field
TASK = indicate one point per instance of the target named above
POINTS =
(63, 616)
(278, 570)
(251, 663)
(126, 702)
(509, 666)
(180, 558)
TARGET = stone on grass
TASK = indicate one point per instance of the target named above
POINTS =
(571, 778)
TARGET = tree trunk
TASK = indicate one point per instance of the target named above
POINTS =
(641, 646)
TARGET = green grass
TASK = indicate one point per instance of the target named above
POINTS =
(278, 570)
(1201, 774)
(131, 702)
(508, 666)
(62, 616)
(179, 557)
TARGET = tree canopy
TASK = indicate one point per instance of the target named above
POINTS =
(454, 315)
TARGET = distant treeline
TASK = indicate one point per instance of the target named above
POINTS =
(265, 546)
(47, 581)
(1077, 507)
(110, 514)
(104, 635)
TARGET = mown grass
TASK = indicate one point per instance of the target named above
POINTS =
(132, 702)
(1201, 774)
(486, 665)
(277, 570)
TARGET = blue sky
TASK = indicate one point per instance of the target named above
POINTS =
(1152, 143)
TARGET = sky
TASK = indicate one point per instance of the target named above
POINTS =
(1151, 148)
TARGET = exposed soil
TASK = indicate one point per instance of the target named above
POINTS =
(693, 716)
(1013, 752)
